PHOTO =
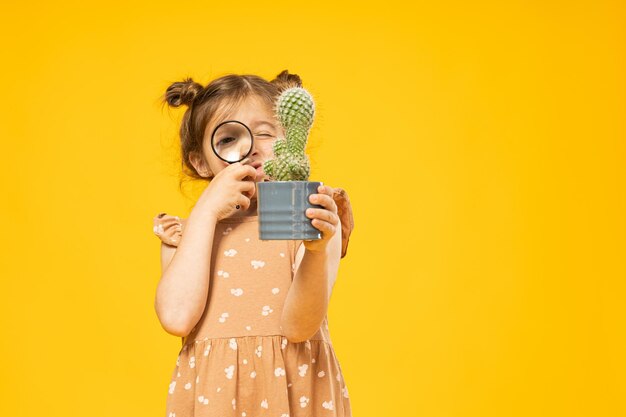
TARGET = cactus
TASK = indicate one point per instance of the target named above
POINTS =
(294, 110)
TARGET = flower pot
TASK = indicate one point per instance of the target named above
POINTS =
(282, 209)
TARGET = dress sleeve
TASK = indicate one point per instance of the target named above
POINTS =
(168, 228)
(344, 210)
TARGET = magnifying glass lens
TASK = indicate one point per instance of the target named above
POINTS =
(232, 141)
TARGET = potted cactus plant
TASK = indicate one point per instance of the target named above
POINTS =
(283, 201)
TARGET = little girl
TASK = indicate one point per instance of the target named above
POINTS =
(251, 312)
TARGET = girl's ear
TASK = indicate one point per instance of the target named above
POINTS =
(201, 166)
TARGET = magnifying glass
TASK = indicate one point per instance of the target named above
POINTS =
(232, 141)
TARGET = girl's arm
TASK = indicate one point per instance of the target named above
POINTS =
(182, 291)
(167, 253)
(309, 294)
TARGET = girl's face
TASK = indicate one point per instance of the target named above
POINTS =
(259, 117)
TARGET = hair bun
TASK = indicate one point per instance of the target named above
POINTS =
(184, 92)
(284, 80)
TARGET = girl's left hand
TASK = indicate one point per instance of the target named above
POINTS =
(326, 219)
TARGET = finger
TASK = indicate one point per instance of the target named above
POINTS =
(323, 215)
(248, 188)
(325, 201)
(243, 171)
(323, 226)
(244, 202)
(326, 189)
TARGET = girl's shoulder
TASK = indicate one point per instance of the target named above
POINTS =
(168, 228)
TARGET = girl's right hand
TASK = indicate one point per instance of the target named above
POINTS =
(228, 188)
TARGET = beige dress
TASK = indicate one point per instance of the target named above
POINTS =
(237, 361)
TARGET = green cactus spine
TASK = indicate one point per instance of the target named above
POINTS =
(294, 110)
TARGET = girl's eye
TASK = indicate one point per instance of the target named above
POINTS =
(225, 141)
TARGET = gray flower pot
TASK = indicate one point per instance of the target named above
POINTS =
(282, 210)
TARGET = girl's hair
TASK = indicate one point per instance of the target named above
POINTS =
(220, 95)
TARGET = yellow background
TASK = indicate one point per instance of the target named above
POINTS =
(482, 145)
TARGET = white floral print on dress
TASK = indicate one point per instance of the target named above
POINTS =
(229, 371)
(304, 401)
(222, 318)
(232, 343)
(257, 264)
